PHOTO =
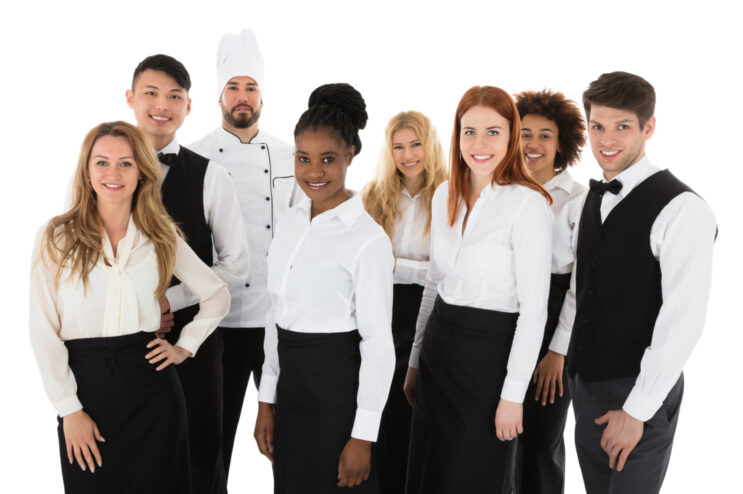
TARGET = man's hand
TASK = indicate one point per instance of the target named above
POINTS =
(548, 377)
(620, 437)
(166, 318)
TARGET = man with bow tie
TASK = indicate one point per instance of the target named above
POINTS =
(200, 197)
(642, 245)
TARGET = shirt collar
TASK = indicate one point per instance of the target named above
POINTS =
(347, 212)
(562, 180)
(172, 147)
(407, 194)
(635, 174)
(229, 138)
(125, 244)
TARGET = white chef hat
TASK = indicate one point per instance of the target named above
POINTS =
(239, 55)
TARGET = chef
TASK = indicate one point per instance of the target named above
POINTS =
(262, 169)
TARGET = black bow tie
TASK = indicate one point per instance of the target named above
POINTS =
(170, 159)
(614, 186)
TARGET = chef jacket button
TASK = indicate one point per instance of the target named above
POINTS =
(268, 198)
(268, 227)
(265, 171)
(263, 147)
(220, 150)
(247, 285)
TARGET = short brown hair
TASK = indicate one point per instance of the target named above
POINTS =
(624, 91)
(555, 106)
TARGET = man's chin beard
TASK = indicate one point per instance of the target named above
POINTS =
(242, 122)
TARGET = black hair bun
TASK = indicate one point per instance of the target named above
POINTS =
(345, 98)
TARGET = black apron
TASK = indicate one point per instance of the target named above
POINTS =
(394, 429)
(315, 411)
(453, 446)
(139, 411)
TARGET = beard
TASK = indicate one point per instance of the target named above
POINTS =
(242, 120)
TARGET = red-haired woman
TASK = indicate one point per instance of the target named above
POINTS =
(486, 295)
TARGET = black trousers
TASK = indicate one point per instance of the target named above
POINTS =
(139, 411)
(394, 429)
(541, 448)
(214, 384)
(453, 446)
(646, 465)
(315, 411)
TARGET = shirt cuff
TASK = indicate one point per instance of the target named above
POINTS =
(366, 424)
(560, 342)
(189, 343)
(514, 390)
(409, 272)
(67, 406)
(415, 354)
(641, 406)
(267, 389)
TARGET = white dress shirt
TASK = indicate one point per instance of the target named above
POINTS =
(501, 262)
(222, 214)
(119, 300)
(263, 173)
(681, 238)
(563, 190)
(410, 242)
(333, 274)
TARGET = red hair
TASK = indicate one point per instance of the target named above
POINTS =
(510, 170)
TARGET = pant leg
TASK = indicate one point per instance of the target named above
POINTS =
(243, 354)
(541, 446)
(202, 381)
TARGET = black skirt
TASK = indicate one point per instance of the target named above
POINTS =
(394, 430)
(453, 447)
(315, 411)
(139, 411)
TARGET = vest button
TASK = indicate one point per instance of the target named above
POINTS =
(587, 320)
(591, 293)
(601, 236)
(594, 264)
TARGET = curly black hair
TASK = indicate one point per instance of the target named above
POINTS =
(571, 128)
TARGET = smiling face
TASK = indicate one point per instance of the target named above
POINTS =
(540, 146)
(160, 105)
(240, 103)
(320, 164)
(113, 173)
(407, 153)
(617, 140)
(483, 142)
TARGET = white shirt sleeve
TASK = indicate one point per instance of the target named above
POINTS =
(271, 370)
(223, 215)
(372, 273)
(682, 238)
(211, 292)
(44, 330)
(532, 250)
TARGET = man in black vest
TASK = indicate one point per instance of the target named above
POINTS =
(200, 197)
(638, 297)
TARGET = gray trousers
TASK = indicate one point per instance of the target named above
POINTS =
(647, 464)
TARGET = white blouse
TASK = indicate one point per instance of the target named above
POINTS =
(119, 300)
(501, 262)
(563, 190)
(333, 274)
(410, 242)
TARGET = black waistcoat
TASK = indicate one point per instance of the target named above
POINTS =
(183, 197)
(618, 282)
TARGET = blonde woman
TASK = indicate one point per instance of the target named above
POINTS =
(99, 272)
(411, 167)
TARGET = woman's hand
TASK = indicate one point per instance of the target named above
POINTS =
(80, 436)
(548, 377)
(264, 427)
(411, 381)
(166, 317)
(508, 420)
(165, 352)
(354, 465)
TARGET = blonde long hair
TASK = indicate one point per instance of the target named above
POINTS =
(382, 195)
(74, 239)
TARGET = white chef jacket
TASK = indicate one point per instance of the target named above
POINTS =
(333, 274)
(410, 241)
(119, 300)
(263, 173)
(681, 238)
(501, 262)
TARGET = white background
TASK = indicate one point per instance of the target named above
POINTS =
(66, 65)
